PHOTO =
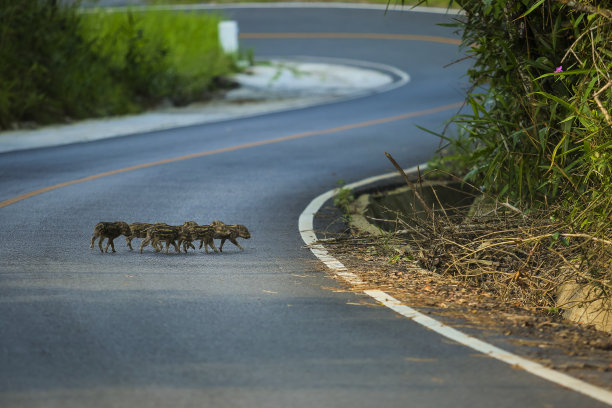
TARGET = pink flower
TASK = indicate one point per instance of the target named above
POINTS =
(559, 69)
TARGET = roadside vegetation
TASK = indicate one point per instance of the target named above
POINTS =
(535, 138)
(59, 64)
(407, 4)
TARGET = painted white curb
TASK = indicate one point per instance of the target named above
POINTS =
(228, 36)
(310, 238)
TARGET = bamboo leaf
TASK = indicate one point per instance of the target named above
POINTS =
(535, 6)
(554, 153)
(558, 100)
(566, 73)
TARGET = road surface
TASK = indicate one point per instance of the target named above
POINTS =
(263, 327)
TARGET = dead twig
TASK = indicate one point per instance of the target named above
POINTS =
(410, 184)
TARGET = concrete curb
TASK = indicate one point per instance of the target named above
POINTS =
(309, 237)
(280, 85)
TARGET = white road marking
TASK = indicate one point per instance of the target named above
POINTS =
(309, 237)
(403, 77)
(362, 6)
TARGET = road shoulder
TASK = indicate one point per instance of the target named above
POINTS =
(271, 86)
(569, 349)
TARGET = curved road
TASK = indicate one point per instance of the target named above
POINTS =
(261, 328)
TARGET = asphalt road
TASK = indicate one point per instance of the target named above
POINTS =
(265, 327)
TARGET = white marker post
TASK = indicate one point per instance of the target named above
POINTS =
(228, 36)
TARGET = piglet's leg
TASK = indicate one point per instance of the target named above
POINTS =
(233, 241)
(212, 245)
(144, 243)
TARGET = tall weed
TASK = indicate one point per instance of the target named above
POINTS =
(538, 135)
(539, 131)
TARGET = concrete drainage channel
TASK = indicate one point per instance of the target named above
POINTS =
(382, 211)
(374, 212)
(306, 227)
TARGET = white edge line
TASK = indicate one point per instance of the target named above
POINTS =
(309, 237)
(403, 77)
(397, 8)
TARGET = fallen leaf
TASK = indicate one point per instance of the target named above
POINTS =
(421, 360)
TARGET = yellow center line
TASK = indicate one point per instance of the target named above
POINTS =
(230, 149)
(373, 36)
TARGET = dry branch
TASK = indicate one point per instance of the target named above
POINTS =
(520, 258)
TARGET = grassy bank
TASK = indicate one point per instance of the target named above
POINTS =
(59, 64)
(171, 55)
(407, 4)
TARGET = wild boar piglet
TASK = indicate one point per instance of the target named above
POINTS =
(168, 234)
(230, 232)
(205, 233)
(187, 235)
(110, 230)
(139, 230)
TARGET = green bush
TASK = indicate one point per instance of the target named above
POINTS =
(160, 54)
(42, 60)
(539, 133)
(538, 137)
(57, 63)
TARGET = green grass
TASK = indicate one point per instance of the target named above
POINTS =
(58, 63)
(180, 47)
(430, 3)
